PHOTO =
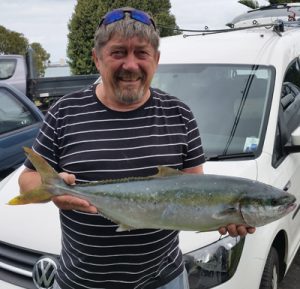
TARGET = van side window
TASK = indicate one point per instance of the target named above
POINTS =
(289, 111)
(293, 73)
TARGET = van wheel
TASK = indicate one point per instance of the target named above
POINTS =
(270, 277)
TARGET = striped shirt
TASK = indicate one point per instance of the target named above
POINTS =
(83, 137)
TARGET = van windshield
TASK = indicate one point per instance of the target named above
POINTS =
(229, 103)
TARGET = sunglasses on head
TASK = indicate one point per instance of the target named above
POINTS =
(119, 14)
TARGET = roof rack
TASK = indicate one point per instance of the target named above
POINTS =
(278, 27)
(276, 6)
(267, 14)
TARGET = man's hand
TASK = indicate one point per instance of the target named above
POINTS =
(67, 202)
(236, 230)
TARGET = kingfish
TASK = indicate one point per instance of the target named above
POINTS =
(169, 200)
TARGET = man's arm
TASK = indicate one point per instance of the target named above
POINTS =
(194, 170)
(28, 180)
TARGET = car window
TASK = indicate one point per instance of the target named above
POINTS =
(13, 114)
(229, 102)
(7, 68)
(289, 111)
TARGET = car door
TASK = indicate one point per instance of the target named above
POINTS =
(285, 162)
(19, 124)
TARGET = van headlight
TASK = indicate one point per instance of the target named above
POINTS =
(214, 264)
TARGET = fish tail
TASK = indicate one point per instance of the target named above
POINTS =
(48, 174)
(49, 179)
(38, 195)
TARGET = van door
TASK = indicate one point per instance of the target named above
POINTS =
(287, 165)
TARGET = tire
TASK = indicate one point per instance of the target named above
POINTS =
(270, 277)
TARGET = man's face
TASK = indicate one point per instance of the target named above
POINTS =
(126, 67)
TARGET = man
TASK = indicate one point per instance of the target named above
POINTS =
(118, 128)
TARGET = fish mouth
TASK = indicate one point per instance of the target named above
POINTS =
(282, 211)
(290, 207)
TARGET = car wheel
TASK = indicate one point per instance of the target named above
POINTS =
(270, 277)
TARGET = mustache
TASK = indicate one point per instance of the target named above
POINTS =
(127, 74)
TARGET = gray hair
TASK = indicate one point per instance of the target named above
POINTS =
(126, 28)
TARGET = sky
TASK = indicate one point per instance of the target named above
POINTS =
(46, 21)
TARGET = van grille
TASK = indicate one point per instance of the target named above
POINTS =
(16, 264)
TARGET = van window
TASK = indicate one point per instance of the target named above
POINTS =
(289, 111)
(7, 68)
(293, 73)
(228, 101)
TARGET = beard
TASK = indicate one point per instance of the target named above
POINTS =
(129, 94)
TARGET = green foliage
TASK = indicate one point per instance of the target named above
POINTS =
(85, 20)
(12, 42)
(41, 57)
(250, 3)
(80, 39)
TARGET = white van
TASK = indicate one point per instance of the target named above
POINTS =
(244, 89)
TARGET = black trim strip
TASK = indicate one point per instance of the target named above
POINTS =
(296, 212)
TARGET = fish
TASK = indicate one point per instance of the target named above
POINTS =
(170, 200)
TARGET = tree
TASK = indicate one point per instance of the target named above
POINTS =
(86, 17)
(41, 57)
(253, 4)
(12, 42)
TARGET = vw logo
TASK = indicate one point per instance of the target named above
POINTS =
(43, 273)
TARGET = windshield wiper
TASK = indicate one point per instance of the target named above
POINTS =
(230, 156)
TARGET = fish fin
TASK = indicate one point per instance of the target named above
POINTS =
(48, 174)
(123, 228)
(38, 195)
(166, 172)
(49, 178)
(226, 212)
(163, 171)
